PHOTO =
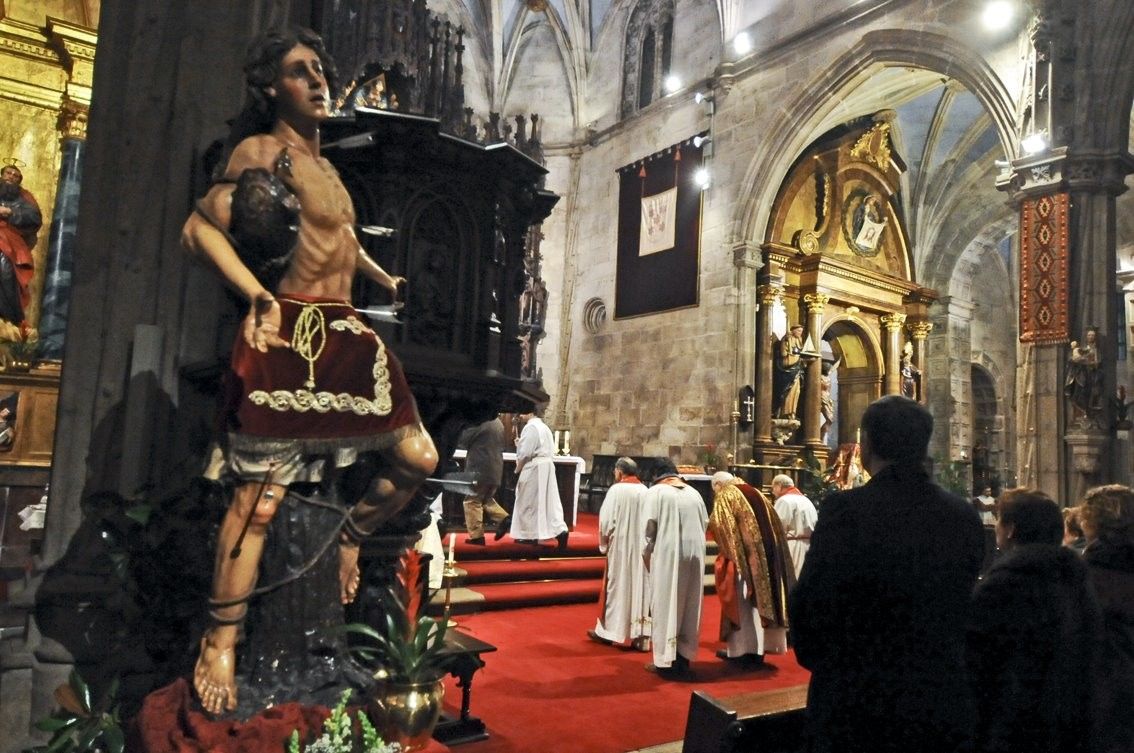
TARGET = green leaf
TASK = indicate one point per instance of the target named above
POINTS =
(115, 740)
(87, 736)
(82, 690)
(140, 513)
(54, 723)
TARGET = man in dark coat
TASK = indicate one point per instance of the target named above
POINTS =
(879, 613)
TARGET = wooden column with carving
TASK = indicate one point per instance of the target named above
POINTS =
(767, 294)
(919, 331)
(892, 325)
(815, 303)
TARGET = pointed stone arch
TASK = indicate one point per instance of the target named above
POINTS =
(897, 47)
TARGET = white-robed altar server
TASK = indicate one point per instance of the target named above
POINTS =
(538, 512)
(798, 515)
(675, 557)
(624, 603)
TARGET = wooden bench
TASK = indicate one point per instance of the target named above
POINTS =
(767, 721)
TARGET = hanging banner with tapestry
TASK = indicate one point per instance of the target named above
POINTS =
(1044, 282)
(659, 222)
(659, 232)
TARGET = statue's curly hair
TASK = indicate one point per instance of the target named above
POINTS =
(261, 68)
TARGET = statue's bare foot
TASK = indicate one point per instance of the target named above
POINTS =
(214, 677)
(348, 572)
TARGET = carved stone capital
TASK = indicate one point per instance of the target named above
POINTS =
(769, 294)
(1096, 172)
(816, 302)
(892, 322)
(746, 255)
(920, 330)
(72, 123)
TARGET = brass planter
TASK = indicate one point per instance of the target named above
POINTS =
(406, 712)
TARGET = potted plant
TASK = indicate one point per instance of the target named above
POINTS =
(21, 349)
(79, 726)
(406, 651)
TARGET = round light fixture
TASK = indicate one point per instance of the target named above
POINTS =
(998, 14)
(672, 84)
(742, 43)
(1034, 144)
(701, 177)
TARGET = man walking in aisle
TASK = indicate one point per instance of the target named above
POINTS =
(538, 513)
(484, 444)
(624, 603)
(675, 558)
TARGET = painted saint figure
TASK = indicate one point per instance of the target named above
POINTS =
(312, 387)
(20, 221)
(788, 372)
(1083, 385)
(911, 375)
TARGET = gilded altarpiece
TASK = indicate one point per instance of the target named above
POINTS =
(838, 263)
(46, 71)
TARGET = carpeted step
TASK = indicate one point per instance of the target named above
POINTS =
(578, 545)
(537, 593)
(504, 571)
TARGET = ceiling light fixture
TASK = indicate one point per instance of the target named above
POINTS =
(998, 15)
(742, 43)
(1035, 143)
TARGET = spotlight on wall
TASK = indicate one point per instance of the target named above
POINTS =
(700, 97)
(699, 141)
(672, 84)
(702, 177)
(742, 43)
(1035, 143)
(998, 14)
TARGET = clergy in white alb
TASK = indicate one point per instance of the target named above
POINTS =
(675, 556)
(798, 515)
(538, 513)
(753, 570)
(624, 603)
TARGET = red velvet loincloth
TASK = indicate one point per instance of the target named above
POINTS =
(337, 386)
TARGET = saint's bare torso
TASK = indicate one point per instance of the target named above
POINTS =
(327, 250)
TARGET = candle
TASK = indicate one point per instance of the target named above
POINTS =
(566, 442)
(452, 543)
(557, 445)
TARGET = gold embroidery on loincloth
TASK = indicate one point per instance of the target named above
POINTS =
(309, 338)
(312, 324)
(351, 324)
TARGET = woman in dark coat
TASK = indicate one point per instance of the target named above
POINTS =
(1034, 628)
(1107, 519)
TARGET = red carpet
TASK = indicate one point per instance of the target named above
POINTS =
(549, 688)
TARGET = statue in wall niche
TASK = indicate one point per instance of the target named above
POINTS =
(1083, 385)
(301, 345)
(826, 400)
(788, 373)
(911, 375)
(20, 221)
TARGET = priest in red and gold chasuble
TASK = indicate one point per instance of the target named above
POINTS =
(752, 546)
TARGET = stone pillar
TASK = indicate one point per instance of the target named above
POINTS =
(60, 244)
(812, 388)
(746, 259)
(919, 332)
(892, 329)
(767, 294)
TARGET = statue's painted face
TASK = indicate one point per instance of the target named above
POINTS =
(12, 175)
(300, 90)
